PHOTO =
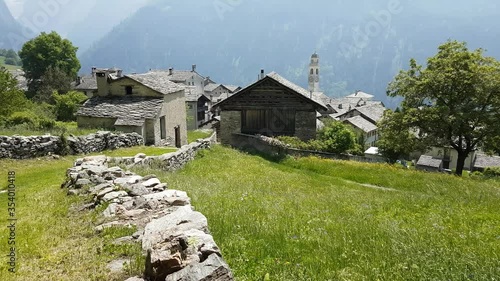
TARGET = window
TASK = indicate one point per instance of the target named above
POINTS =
(268, 122)
(312, 71)
(317, 71)
(128, 90)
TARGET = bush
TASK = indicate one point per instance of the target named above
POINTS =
(492, 172)
(30, 120)
(67, 105)
(23, 117)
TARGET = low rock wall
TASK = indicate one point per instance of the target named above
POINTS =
(20, 147)
(170, 161)
(175, 239)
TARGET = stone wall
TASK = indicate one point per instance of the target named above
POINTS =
(175, 239)
(271, 146)
(20, 147)
(170, 161)
(230, 123)
(305, 125)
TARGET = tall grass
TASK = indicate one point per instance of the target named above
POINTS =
(198, 134)
(312, 219)
(60, 128)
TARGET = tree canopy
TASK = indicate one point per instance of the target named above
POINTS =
(48, 50)
(11, 98)
(454, 101)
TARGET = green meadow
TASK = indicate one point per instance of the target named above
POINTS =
(291, 219)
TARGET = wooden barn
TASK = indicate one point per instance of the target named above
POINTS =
(272, 106)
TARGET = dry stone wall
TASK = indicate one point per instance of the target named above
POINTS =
(175, 238)
(20, 147)
(169, 161)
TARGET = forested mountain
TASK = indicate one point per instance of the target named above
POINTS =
(9, 29)
(362, 44)
(81, 21)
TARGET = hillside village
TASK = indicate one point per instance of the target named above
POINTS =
(150, 104)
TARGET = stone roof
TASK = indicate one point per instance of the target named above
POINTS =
(484, 161)
(177, 75)
(429, 161)
(278, 78)
(129, 109)
(362, 124)
(284, 82)
(87, 82)
(22, 82)
(360, 94)
(156, 81)
(232, 88)
(373, 112)
(211, 87)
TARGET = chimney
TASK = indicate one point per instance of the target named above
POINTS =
(262, 75)
(94, 70)
(171, 71)
(119, 73)
(193, 67)
(79, 80)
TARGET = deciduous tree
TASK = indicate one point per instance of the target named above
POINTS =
(48, 50)
(11, 98)
(454, 101)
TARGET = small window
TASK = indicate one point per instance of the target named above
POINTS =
(312, 71)
(128, 90)
(317, 71)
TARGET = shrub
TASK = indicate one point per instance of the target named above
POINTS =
(24, 117)
(336, 137)
(67, 105)
(492, 172)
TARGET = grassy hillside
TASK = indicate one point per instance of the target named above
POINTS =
(9, 67)
(304, 219)
(313, 219)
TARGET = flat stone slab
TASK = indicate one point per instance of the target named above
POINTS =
(151, 182)
(113, 195)
(212, 269)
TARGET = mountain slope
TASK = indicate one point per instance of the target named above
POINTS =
(10, 29)
(361, 47)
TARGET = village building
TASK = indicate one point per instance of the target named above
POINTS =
(219, 92)
(149, 104)
(197, 106)
(272, 106)
(483, 161)
(429, 164)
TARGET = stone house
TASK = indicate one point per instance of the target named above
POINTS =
(364, 128)
(87, 84)
(364, 120)
(196, 83)
(483, 161)
(148, 104)
(272, 106)
(197, 106)
(449, 156)
(429, 164)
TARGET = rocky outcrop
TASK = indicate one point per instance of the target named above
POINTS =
(175, 238)
(19, 147)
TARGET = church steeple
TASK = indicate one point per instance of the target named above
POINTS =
(314, 73)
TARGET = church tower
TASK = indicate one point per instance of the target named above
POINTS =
(314, 73)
